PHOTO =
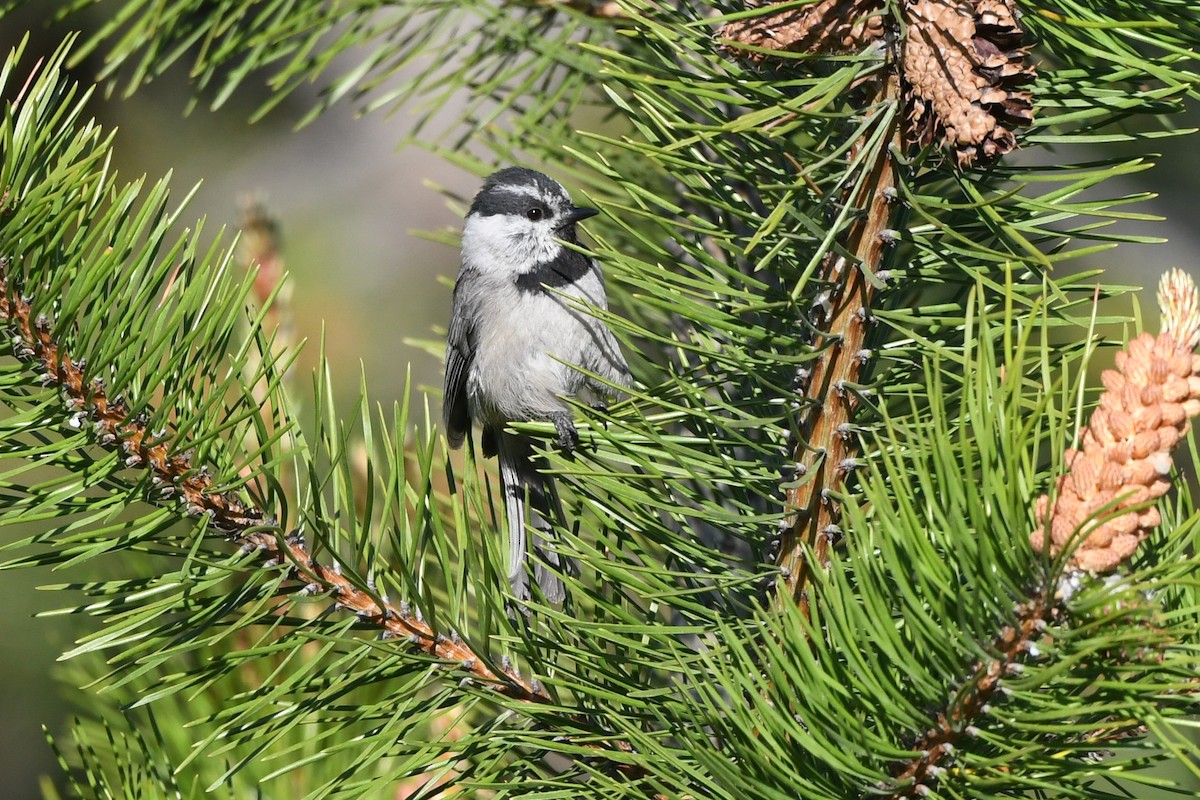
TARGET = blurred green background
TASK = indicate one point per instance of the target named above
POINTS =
(348, 199)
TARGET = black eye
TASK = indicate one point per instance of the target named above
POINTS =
(535, 213)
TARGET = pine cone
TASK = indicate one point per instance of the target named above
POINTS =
(1124, 459)
(831, 26)
(962, 63)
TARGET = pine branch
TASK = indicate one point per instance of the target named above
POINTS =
(176, 478)
(1039, 621)
(1123, 462)
(827, 446)
(957, 722)
(933, 85)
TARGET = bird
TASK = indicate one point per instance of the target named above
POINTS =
(520, 344)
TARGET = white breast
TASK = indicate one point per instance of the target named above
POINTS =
(522, 340)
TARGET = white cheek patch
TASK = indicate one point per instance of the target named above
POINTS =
(493, 229)
(507, 244)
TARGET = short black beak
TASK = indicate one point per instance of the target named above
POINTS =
(576, 214)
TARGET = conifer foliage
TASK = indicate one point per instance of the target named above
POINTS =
(813, 561)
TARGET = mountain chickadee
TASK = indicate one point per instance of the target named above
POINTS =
(515, 329)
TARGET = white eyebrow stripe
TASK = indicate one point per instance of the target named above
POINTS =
(524, 191)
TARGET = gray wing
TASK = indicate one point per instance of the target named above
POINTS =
(460, 352)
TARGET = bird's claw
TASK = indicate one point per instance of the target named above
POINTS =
(568, 437)
(601, 407)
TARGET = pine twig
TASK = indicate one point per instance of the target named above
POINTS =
(956, 723)
(826, 451)
(967, 98)
(179, 481)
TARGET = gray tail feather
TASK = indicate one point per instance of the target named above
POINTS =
(547, 566)
(519, 475)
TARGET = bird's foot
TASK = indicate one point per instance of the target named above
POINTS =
(601, 407)
(568, 437)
